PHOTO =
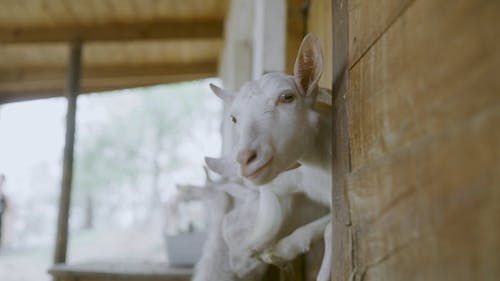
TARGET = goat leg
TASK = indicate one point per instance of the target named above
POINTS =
(296, 243)
(326, 264)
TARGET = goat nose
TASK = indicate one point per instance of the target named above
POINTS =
(247, 157)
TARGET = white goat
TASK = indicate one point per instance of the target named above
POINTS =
(216, 260)
(247, 229)
(278, 129)
(235, 222)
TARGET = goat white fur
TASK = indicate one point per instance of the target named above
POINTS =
(277, 129)
(215, 262)
(246, 231)
(226, 254)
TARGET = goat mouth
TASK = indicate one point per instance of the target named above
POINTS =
(257, 172)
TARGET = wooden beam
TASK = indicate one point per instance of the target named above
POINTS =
(193, 29)
(72, 90)
(91, 72)
(341, 222)
(33, 83)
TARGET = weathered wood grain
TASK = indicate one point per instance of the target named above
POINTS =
(95, 54)
(424, 141)
(341, 230)
(36, 34)
(465, 248)
(428, 72)
(368, 20)
(432, 212)
(172, 30)
(30, 13)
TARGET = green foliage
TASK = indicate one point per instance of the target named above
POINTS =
(139, 129)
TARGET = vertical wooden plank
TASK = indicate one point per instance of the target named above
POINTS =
(72, 90)
(445, 222)
(369, 19)
(424, 114)
(341, 244)
(269, 45)
(399, 100)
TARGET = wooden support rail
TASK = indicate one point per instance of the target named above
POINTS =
(72, 89)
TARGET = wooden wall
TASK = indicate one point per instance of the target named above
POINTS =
(422, 111)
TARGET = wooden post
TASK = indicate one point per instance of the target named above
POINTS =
(72, 90)
(341, 222)
(269, 45)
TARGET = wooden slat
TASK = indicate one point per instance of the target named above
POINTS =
(428, 72)
(369, 19)
(432, 212)
(143, 52)
(425, 145)
(48, 82)
(130, 53)
(18, 76)
(341, 229)
(471, 255)
(47, 89)
(24, 55)
(179, 29)
(52, 13)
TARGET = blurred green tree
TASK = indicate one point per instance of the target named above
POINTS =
(136, 143)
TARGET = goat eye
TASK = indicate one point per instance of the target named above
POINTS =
(286, 98)
(233, 119)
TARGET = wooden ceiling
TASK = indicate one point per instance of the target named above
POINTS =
(126, 43)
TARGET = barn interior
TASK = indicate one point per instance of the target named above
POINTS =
(415, 104)
(70, 49)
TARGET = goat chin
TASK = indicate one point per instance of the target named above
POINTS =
(269, 220)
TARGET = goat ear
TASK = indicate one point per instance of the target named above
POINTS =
(221, 167)
(309, 64)
(225, 95)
